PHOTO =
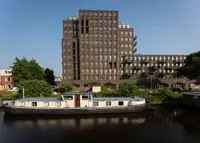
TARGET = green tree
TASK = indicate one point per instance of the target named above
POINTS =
(64, 86)
(35, 88)
(191, 69)
(128, 88)
(109, 90)
(49, 76)
(24, 69)
(162, 95)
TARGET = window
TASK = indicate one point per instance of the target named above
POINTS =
(120, 103)
(108, 103)
(84, 97)
(82, 23)
(87, 30)
(9, 79)
(82, 30)
(95, 103)
(34, 104)
(68, 97)
(87, 22)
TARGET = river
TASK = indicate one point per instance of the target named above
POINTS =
(156, 126)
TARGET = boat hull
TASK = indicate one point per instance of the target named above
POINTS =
(72, 111)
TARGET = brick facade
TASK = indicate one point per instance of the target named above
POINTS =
(92, 46)
(6, 81)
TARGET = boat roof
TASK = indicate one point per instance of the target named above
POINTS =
(117, 98)
(44, 99)
(47, 99)
(192, 93)
(76, 93)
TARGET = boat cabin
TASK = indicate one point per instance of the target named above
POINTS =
(78, 100)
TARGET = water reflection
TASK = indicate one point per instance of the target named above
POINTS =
(82, 123)
(176, 126)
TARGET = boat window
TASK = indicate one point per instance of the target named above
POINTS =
(34, 104)
(68, 97)
(96, 103)
(108, 103)
(84, 97)
(58, 104)
(121, 103)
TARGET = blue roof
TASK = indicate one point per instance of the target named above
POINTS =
(192, 93)
(118, 98)
(76, 93)
(44, 99)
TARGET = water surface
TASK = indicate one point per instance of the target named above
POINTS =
(159, 126)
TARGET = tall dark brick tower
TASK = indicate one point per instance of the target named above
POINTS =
(93, 46)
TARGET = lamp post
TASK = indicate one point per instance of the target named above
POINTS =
(23, 92)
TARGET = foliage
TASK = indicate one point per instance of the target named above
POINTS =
(125, 76)
(161, 95)
(34, 88)
(24, 69)
(109, 91)
(148, 82)
(4, 94)
(49, 76)
(191, 69)
(64, 87)
(128, 88)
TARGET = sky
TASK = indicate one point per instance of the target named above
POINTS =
(33, 28)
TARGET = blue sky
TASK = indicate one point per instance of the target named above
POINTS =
(33, 28)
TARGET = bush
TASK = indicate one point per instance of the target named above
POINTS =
(163, 95)
(129, 88)
(8, 94)
(109, 91)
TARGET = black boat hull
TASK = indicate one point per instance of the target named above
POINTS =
(72, 111)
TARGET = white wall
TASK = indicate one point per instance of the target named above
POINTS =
(40, 104)
(114, 103)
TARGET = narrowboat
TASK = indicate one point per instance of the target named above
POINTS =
(74, 103)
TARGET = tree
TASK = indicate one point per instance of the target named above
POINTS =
(149, 79)
(163, 95)
(109, 90)
(191, 69)
(34, 88)
(49, 76)
(64, 87)
(128, 88)
(24, 69)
